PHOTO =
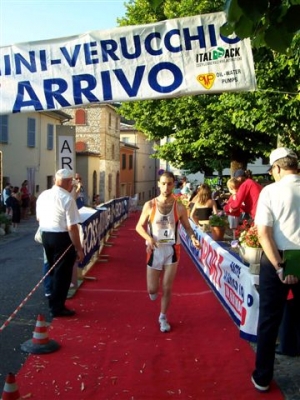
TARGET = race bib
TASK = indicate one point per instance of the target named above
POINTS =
(166, 236)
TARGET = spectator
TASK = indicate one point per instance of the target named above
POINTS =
(79, 191)
(96, 200)
(178, 187)
(233, 186)
(278, 223)
(186, 187)
(233, 218)
(58, 217)
(204, 206)
(5, 195)
(247, 195)
(25, 198)
(14, 203)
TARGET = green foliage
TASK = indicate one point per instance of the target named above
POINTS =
(220, 219)
(270, 23)
(5, 220)
(208, 132)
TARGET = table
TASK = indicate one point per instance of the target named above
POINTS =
(229, 278)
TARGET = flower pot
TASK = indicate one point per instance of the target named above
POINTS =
(251, 255)
(217, 232)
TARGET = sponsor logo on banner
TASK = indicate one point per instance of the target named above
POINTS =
(206, 80)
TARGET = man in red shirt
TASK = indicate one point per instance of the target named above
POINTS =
(247, 194)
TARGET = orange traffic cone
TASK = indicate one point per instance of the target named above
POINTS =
(40, 343)
(10, 390)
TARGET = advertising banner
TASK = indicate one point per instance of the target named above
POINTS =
(229, 278)
(184, 56)
(97, 223)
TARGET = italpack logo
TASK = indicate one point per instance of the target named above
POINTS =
(218, 53)
(206, 80)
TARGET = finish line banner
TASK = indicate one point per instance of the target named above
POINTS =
(185, 56)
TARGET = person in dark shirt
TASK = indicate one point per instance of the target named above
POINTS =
(14, 203)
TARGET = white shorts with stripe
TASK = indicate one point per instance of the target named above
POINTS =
(163, 255)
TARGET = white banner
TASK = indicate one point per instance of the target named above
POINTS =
(229, 278)
(185, 56)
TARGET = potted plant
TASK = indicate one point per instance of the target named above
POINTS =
(5, 222)
(218, 224)
(249, 246)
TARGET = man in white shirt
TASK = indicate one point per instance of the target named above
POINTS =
(58, 217)
(278, 223)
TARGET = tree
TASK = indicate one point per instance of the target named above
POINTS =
(211, 131)
(270, 23)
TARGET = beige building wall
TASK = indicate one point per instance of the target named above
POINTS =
(36, 164)
(146, 168)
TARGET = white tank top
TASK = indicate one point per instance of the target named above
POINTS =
(164, 228)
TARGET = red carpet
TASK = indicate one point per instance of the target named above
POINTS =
(113, 348)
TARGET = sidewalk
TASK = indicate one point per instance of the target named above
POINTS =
(28, 226)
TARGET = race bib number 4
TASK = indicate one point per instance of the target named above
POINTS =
(166, 236)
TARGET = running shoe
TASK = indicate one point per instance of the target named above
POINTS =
(164, 325)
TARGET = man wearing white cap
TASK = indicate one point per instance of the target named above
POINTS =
(58, 217)
(278, 222)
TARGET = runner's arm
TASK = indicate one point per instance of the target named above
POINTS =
(184, 220)
(143, 220)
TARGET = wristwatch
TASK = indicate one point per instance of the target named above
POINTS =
(280, 268)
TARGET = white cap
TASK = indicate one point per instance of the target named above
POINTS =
(64, 174)
(281, 152)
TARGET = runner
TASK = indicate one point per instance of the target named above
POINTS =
(161, 216)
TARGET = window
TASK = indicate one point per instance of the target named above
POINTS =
(50, 136)
(50, 181)
(123, 161)
(113, 152)
(3, 128)
(125, 139)
(110, 183)
(80, 117)
(31, 132)
(109, 119)
(130, 161)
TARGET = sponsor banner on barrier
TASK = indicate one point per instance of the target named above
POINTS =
(229, 278)
(176, 57)
(97, 223)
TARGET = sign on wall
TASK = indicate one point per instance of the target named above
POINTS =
(65, 148)
(185, 56)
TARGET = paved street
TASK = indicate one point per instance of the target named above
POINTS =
(21, 263)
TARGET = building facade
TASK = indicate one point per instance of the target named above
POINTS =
(97, 149)
(127, 172)
(28, 148)
(145, 168)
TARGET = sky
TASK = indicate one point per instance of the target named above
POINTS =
(31, 20)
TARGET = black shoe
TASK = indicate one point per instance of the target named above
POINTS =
(258, 387)
(65, 312)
